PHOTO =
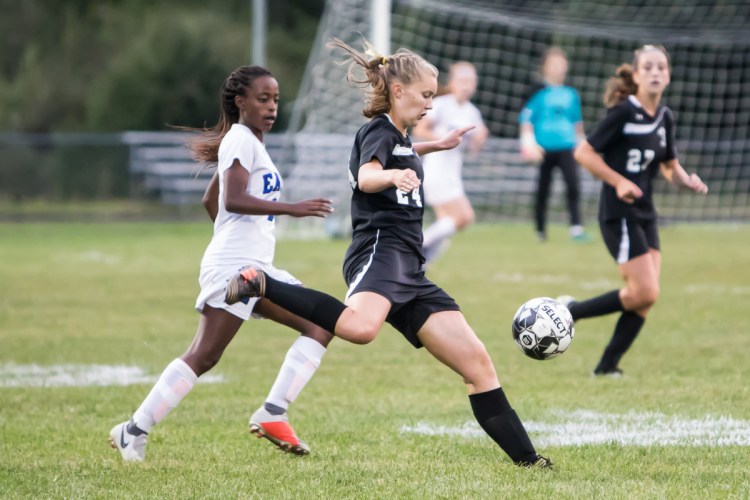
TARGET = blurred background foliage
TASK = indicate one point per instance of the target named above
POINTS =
(110, 65)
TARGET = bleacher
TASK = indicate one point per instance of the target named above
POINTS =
(161, 166)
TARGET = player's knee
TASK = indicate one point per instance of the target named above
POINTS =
(318, 334)
(361, 332)
(202, 362)
(482, 370)
(467, 219)
(647, 295)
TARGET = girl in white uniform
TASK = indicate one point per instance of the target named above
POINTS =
(242, 199)
(443, 186)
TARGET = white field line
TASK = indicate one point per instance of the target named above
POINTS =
(718, 289)
(98, 256)
(606, 284)
(585, 427)
(13, 375)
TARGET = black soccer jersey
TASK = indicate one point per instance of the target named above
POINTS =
(633, 143)
(391, 209)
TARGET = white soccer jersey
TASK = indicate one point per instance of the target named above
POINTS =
(442, 170)
(448, 114)
(241, 238)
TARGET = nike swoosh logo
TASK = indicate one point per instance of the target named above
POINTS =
(123, 444)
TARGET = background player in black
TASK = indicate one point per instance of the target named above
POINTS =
(383, 266)
(628, 148)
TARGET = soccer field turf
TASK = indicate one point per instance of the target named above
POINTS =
(383, 420)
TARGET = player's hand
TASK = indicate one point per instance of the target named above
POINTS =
(318, 207)
(406, 180)
(454, 137)
(694, 183)
(628, 191)
(533, 155)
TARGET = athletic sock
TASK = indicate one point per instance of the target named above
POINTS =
(312, 305)
(174, 383)
(576, 230)
(626, 330)
(440, 230)
(494, 413)
(301, 361)
(598, 306)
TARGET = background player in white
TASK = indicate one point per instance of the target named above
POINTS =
(629, 147)
(383, 266)
(443, 185)
(243, 201)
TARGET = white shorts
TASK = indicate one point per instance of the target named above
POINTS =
(213, 282)
(442, 177)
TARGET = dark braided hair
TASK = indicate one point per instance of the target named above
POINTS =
(205, 147)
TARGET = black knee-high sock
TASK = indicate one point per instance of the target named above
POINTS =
(626, 331)
(317, 307)
(598, 306)
(493, 412)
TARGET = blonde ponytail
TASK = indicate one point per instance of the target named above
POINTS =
(375, 72)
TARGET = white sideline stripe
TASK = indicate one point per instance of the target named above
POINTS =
(361, 274)
(13, 375)
(586, 427)
(623, 254)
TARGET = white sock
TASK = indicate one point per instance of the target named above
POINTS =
(440, 230)
(301, 361)
(174, 383)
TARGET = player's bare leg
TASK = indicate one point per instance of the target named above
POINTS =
(215, 330)
(271, 420)
(455, 215)
(641, 276)
(450, 339)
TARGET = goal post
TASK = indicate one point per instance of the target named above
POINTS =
(709, 45)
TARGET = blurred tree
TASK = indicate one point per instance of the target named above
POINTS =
(94, 65)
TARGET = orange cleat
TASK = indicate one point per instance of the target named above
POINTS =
(281, 434)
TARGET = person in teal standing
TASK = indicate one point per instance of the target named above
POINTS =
(551, 127)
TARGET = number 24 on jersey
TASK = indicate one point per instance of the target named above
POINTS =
(403, 197)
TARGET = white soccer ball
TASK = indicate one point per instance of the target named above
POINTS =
(543, 328)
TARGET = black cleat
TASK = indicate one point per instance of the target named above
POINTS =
(540, 463)
(250, 282)
(613, 372)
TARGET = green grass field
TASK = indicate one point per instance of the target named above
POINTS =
(123, 294)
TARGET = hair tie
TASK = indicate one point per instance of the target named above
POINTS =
(384, 61)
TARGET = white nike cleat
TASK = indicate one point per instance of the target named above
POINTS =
(132, 446)
(566, 300)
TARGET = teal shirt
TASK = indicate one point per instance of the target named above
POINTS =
(553, 111)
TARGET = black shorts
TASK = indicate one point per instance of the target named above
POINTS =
(382, 263)
(627, 239)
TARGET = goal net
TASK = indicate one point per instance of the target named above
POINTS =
(709, 43)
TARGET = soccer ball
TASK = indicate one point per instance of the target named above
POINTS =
(543, 328)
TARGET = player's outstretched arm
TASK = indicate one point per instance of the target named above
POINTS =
(373, 178)
(449, 141)
(237, 200)
(211, 197)
(675, 173)
(589, 159)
